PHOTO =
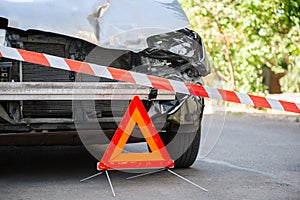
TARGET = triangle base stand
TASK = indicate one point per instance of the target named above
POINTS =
(157, 160)
(141, 175)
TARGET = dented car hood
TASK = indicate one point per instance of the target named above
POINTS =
(116, 24)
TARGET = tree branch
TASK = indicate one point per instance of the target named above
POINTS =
(227, 45)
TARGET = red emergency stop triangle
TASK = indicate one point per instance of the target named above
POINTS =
(113, 157)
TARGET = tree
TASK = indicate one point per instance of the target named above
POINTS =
(244, 36)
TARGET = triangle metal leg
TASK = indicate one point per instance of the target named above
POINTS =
(90, 177)
(110, 184)
(108, 178)
(187, 180)
(167, 169)
(145, 174)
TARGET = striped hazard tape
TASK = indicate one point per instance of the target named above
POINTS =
(146, 80)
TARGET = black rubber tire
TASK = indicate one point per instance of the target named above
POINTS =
(183, 147)
(190, 155)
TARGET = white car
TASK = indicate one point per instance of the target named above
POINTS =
(46, 106)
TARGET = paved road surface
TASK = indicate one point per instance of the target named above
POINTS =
(256, 158)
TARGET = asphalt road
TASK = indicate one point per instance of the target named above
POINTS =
(256, 158)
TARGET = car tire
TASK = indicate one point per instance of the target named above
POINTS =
(182, 146)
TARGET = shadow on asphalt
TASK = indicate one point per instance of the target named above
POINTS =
(46, 161)
(55, 162)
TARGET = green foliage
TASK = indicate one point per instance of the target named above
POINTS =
(290, 82)
(243, 36)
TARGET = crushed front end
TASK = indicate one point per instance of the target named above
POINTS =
(41, 106)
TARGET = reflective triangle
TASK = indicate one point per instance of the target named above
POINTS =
(114, 158)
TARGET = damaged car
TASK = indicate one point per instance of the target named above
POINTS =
(47, 106)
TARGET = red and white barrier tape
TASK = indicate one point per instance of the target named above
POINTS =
(146, 80)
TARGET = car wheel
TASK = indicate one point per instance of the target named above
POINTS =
(183, 132)
(182, 146)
